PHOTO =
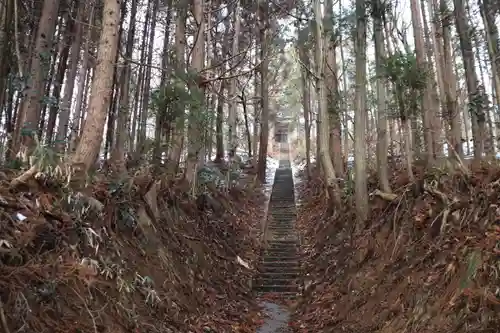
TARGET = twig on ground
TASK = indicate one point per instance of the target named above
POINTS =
(3, 319)
(88, 310)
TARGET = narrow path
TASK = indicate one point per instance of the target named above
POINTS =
(279, 268)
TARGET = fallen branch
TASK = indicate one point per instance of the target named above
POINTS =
(444, 198)
(384, 195)
(25, 176)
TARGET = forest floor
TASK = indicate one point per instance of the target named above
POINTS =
(146, 256)
(426, 262)
(135, 256)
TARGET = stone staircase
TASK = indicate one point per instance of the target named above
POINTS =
(279, 269)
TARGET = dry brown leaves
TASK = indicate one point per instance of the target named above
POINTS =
(129, 266)
(424, 263)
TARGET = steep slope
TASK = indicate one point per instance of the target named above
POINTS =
(140, 256)
(425, 262)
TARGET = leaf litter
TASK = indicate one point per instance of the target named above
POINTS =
(427, 260)
(136, 256)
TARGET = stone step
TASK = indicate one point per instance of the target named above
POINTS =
(283, 230)
(287, 224)
(288, 229)
(284, 294)
(278, 234)
(282, 253)
(284, 205)
(280, 221)
(284, 210)
(284, 242)
(290, 258)
(279, 244)
(281, 238)
(276, 288)
(283, 218)
(285, 214)
(279, 269)
(282, 263)
(276, 282)
(275, 223)
(281, 224)
(278, 275)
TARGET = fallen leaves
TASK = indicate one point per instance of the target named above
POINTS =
(125, 259)
(427, 262)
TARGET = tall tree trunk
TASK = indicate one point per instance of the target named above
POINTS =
(489, 12)
(423, 67)
(65, 106)
(326, 161)
(380, 55)
(476, 108)
(29, 114)
(361, 186)
(247, 126)
(163, 116)
(232, 116)
(141, 148)
(306, 98)
(180, 67)
(90, 142)
(332, 93)
(118, 151)
(264, 40)
(219, 122)
(84, 79)
(492, 41)
(435, 116)
(450, 85)
(256, 114)
(59, 77)
(197, 64)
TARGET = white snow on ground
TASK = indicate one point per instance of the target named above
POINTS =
(272, 165)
